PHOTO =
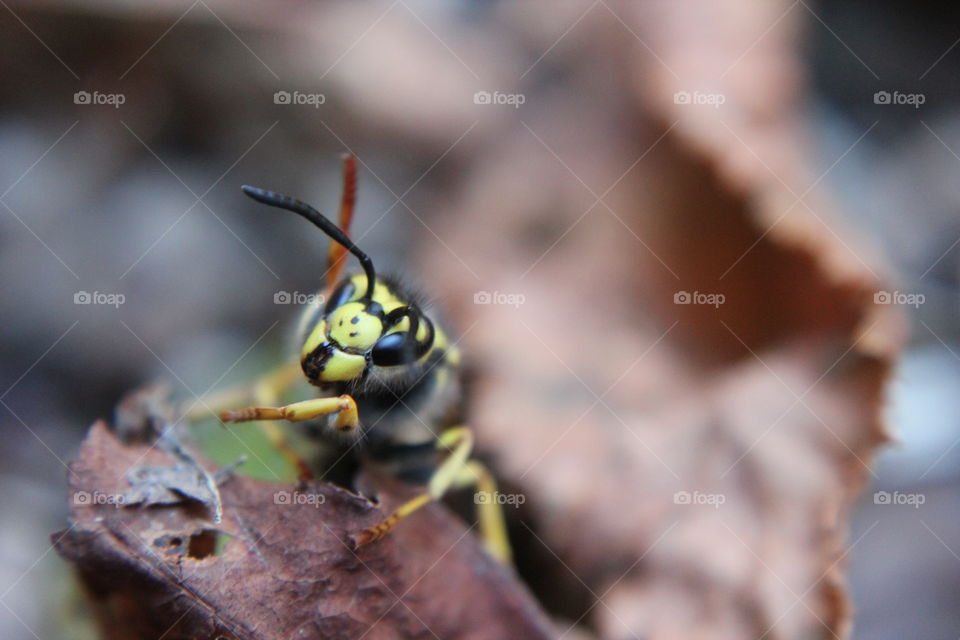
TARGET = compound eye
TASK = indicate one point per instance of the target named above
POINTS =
(340, 296)
(392, 349)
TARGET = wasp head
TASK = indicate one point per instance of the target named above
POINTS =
(365, 324)
(356, 334)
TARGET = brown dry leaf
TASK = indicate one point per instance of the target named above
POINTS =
(278, 569)
(691, 466)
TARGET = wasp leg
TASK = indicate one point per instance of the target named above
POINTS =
(456, 471)
(266, 391)
(344, 406)
(460, 439)
(493, 529)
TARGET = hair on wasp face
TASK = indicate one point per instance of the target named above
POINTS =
(365, 322)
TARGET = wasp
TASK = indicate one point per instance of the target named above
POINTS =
(387, 379)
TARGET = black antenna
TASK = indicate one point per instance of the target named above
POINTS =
(292, 204)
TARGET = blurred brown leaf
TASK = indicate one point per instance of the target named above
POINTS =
(691, 466)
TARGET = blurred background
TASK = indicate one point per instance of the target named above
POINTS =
(129, 255)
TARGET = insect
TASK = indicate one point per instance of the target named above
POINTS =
(387, 381)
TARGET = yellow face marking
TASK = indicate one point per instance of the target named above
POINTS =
(389, 301)
(343, 366)
(381, 292)
(352, 327)
(317, 336)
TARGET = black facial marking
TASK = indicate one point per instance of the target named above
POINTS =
(315, 362)
(353, 334)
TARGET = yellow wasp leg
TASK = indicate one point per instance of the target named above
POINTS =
(344, 406)
(455, 471)
(493, 529)
(347, 419)
(461, 440)
(266, 391)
